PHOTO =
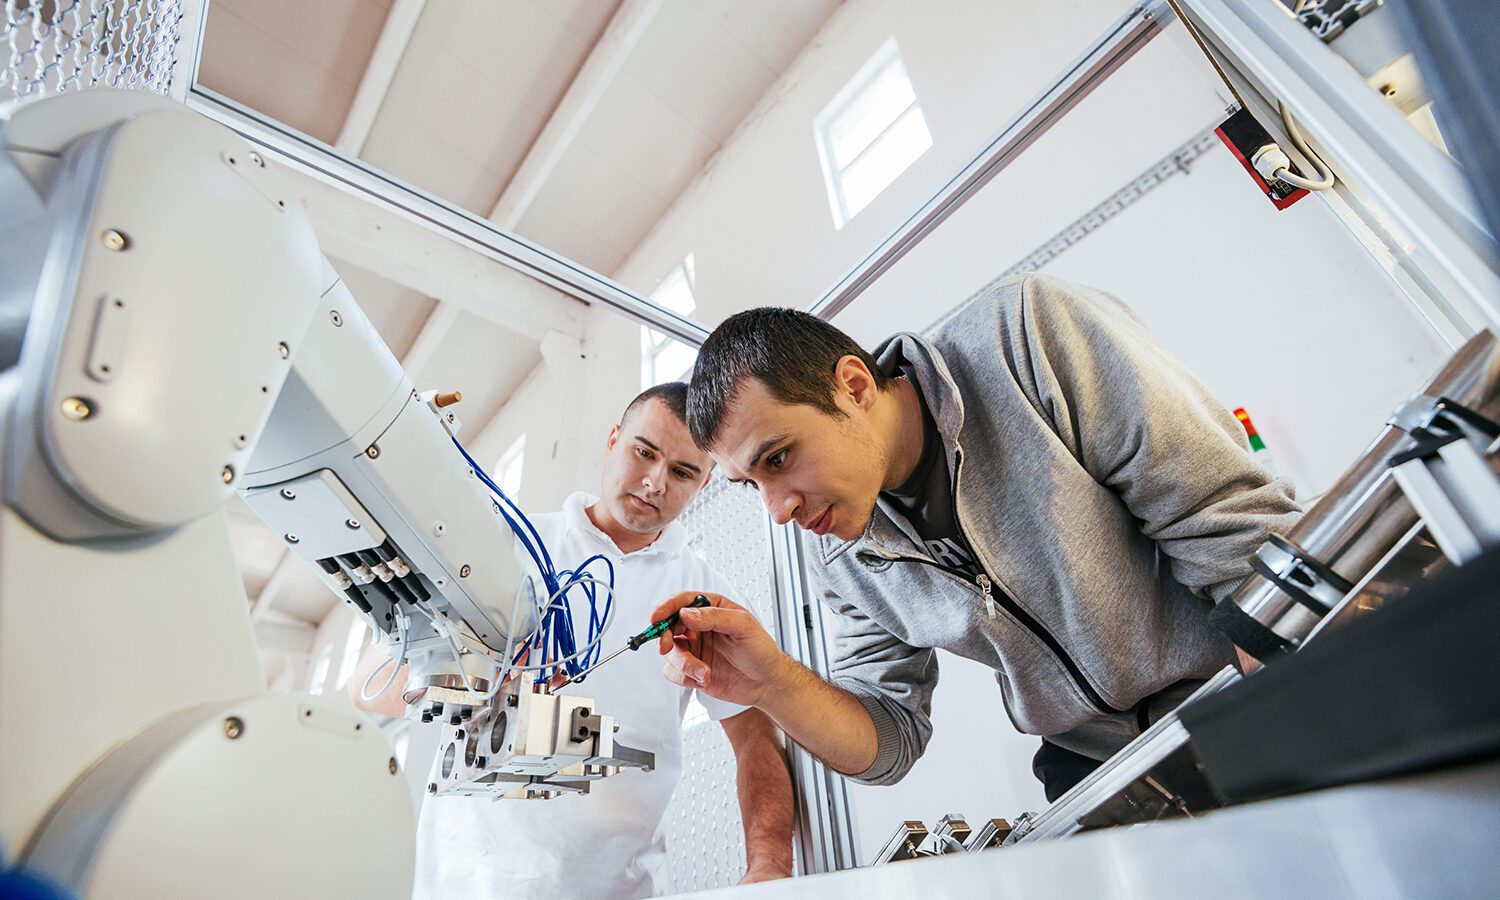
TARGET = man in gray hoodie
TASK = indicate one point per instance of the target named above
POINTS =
(1040, 487)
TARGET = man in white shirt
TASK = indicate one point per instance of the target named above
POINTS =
(611, 842)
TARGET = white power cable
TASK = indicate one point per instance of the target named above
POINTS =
(609, 617)
(400, 660)
(1283, 172)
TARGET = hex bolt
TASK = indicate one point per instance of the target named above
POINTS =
(227, 473)
(338, 320)
(432, 787)
(284, 350)
(233, 727)
(288, 494)
(114, 240)
(77, 408)
(291, 538)
(373, 452)
(393, 767)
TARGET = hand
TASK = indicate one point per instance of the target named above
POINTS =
(720, 650)
(754, 875)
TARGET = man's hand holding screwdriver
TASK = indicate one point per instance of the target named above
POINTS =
(721, 650)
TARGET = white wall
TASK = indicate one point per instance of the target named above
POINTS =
(566, 408)
(1279, 312)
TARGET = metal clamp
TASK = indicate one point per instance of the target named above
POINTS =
(1304, 578)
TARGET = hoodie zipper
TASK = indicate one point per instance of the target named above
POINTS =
(985, 585)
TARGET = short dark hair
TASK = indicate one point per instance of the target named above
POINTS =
(794, 354)
(672, 393)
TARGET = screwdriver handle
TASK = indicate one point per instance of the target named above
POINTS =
(657, 629)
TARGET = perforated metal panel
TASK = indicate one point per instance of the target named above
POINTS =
(51, 46)
(726, 525)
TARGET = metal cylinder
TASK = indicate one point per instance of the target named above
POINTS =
(1362, 516)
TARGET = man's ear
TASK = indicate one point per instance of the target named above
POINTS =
(614, 435)
(853, 380)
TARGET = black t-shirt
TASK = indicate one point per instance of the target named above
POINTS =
(926, 500)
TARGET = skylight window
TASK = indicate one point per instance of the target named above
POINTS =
(871, 132)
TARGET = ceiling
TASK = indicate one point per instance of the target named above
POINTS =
(575, 123)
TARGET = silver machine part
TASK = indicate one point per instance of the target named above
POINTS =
(532, 744)
(1366, 513)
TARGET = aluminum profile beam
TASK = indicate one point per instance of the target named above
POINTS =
(1117, 45)
(191, 28)
(825, 836)
(317, 160)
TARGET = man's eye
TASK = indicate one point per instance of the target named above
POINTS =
(645, 454)
(684, 474)
(750, 483)
(776, 460)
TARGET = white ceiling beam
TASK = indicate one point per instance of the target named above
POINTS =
(401, 250)
(594, 77)
(285, 567)
(285, 637)
(385, 59)
(609, 55)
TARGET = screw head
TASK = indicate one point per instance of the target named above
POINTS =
(77, 409)
(114, 240)
(227, 473)
(291, 538)
(439, 529)
(393, 767)
(255, 158)
(288, 494)
(233, 727)
(463, 571)
(337, 319)
(432, 787)
(284, 350)
(351, 523)
(373, 452)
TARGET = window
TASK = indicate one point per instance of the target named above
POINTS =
(508, 470)
(665, 358)
(871, 132)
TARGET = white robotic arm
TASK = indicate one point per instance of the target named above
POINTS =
(170, 334)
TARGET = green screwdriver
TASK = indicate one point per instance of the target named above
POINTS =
(656, 630)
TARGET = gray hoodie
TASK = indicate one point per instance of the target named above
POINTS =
(1110, 500)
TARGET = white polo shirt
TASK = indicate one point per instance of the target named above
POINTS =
(611, 842)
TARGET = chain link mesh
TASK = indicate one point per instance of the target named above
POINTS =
(52, 46)
(726, 526)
